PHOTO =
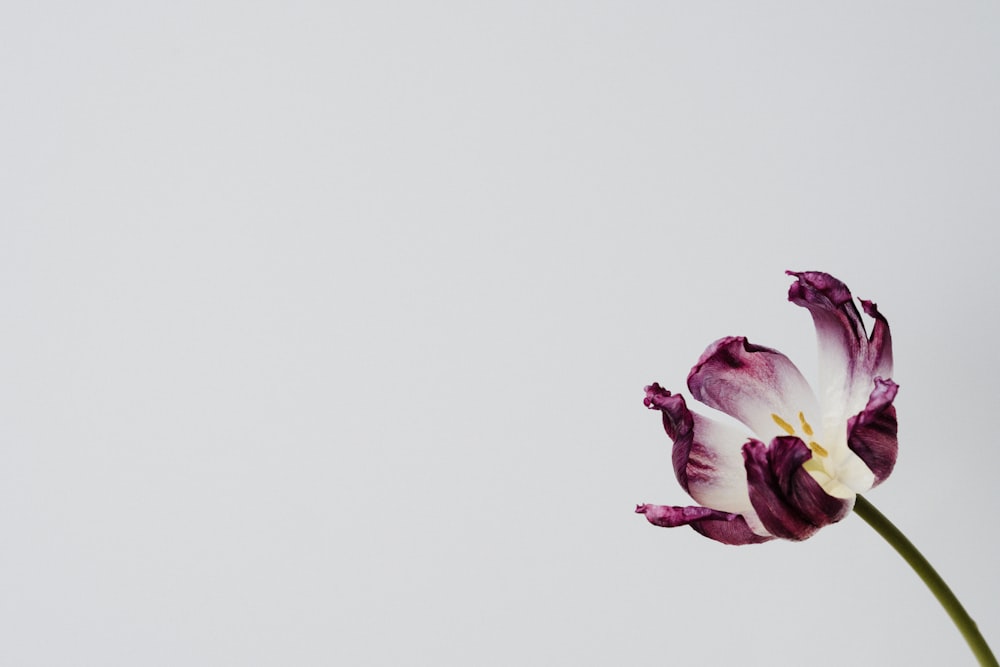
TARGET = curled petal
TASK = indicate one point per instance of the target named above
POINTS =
(880, 341)
(790, 503)
(678, 422)
(706, 455)
(871, 434)
(724, 527)
(752, 383)
(849, 358)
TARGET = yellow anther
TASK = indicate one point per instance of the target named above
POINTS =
(815, 446)
(806, 428)
(785, 426)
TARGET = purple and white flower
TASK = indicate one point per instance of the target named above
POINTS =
(809, 455)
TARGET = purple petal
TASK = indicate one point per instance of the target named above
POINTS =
(849, 359)
(789, 502)
(752, 383)
(706, 456)
(724, 527)
(871, 434)
(880, 341)
(679, 425)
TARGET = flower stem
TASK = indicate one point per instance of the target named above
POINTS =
(905, 548)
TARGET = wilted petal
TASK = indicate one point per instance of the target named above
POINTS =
(880, 341)
(724, 527)
(789, 502)
(752, 383)
(706, 455)
(871, 434)
(849, 359)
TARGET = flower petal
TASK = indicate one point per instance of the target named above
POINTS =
(753, 384)
(706, 455)
(849, 359)
(789, 502)
(871, 434)
(722, 527)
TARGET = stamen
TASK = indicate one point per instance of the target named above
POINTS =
(806, 428)
(785, 426)
(816, 447)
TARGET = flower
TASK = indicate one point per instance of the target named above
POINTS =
(822, 450)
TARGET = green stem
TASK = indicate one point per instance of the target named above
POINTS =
(965, 624)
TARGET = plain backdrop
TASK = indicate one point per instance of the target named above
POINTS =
(324, 325)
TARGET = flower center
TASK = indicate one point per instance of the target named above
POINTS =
(823, 467)
(807, 430)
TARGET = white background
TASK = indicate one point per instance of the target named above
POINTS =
(324, 326)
